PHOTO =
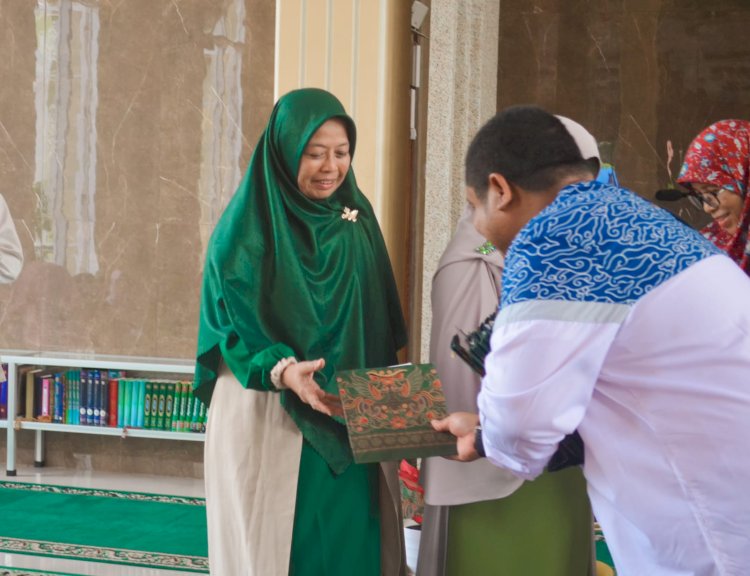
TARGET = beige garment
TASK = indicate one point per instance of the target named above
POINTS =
(465, 290)
(252, 457)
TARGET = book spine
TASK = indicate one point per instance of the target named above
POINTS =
(71, 415)
(141, 404)
(44, 412)
(77, 378)
(29, 414)
(128, 401)
(176, 406)
(161, 406)
(83, 398)
(169, 405)
(195, 416)
(121, 402)
(57, 414)
(37, 395)
(104, 399)
(90, 397)
(4, 399)
(154, 404)
(113, 411)
(189, 413)
(95, 378)
(182, 408)
(68, 393)
(202, 417)
(148, 394)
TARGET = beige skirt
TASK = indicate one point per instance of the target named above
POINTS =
(252, 457)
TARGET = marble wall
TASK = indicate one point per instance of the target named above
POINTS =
(637, 73)
(125, 128)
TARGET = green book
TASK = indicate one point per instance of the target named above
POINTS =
(195, 420)
(202, 418)
(184, 399)
(388, 412)
(169, 408)
(127, 403)
(187, 417)
(161, 405)
(121, 403)
(154, 403)
(140, 406)
(147, 405)
(178, 394)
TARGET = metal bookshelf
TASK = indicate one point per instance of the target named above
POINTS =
(16, 359)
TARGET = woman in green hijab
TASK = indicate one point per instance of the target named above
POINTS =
(297, 285)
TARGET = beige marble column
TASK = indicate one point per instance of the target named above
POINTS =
(462, 94)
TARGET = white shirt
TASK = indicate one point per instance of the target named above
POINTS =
(660, 393)
(11, 256)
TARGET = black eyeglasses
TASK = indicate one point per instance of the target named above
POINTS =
(709, 198)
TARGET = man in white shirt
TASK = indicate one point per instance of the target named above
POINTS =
(620, 322)
(11, 256)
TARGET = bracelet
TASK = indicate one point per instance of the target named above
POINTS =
(478, 444)
(278, 370)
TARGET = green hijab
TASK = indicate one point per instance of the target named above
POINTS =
(288, 276)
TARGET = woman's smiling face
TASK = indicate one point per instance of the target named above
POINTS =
(727, 211)
(325, 161)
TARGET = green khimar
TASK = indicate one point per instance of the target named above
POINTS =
(288, 276)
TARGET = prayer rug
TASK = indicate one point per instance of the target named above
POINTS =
(5, 571)
(133, 528)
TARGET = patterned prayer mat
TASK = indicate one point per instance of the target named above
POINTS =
(138, 529)
(5, 571)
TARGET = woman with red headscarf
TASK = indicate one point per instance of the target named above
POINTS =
(716, 173)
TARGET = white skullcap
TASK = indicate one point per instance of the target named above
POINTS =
(585, 141)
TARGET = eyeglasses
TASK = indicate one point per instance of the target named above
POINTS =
(708, 198)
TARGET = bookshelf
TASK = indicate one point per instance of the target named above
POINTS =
(130, 364)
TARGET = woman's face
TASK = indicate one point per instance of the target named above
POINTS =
(726, 211)
(325, 161)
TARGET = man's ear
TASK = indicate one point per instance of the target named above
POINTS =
(499, 192)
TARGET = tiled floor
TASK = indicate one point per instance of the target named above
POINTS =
(90, 479)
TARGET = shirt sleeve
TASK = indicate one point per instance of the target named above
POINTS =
(540, 376)
(11, 255)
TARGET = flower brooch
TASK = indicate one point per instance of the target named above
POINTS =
(350, 215)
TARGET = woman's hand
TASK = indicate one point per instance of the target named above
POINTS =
(462, 425)
(299, 378)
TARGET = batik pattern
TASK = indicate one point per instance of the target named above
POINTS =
(599, 244)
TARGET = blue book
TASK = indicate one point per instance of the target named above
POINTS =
(84, 409)
(58, 402)
(95, 379)
(3, 396)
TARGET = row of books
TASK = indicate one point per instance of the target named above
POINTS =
(105, 398)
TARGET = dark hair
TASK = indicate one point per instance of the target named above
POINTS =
(527, 145)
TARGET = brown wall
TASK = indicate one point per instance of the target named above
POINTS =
(124, 128)
(636, 73)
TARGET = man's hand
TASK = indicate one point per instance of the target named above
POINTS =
(462, 426)
(299, 378)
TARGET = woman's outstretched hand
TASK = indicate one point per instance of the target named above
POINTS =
(299, 378)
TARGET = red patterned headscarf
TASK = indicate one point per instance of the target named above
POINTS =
(719, 155)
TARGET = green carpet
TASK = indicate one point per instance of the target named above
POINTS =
(6, 571)
(148, 530)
